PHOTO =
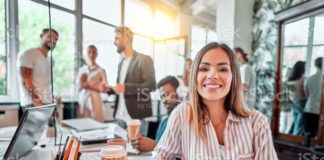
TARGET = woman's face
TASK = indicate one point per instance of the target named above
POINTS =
(92, 54)
(214, 75)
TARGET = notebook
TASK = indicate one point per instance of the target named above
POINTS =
(84, 124)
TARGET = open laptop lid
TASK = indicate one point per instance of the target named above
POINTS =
(29, 131)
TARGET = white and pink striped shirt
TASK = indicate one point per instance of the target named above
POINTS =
(244, 138)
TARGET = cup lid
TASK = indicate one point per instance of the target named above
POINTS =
(134, 122)
(113, 151)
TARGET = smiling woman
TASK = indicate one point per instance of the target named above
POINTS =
(215, 123)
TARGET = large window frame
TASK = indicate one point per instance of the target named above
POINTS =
(12, 37)
(307, 9)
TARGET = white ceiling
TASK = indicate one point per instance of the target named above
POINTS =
(203, 11)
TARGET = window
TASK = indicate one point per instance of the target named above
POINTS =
(33, 17)
(318, 49)
(103, 10)
(70, 4)
(3, 52)
(211, 36)
(141, 20)
(169, 58)
(291, 56)
(303, 42)
(319, 30)
(296, 33)
(200, 37)
(295, 45)
(102, 36)
(95, 28)
(143, 45)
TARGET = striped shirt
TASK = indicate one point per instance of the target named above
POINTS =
(244, 138)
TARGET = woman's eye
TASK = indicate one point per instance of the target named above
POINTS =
(223, 70)
(203, 69)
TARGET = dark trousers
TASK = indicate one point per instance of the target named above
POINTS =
(311, 123)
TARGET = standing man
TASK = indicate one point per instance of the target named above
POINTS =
(34, 72)
(136, 79)
(312, 88)
(247, 77)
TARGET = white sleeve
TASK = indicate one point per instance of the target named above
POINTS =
(247, 75)
(27, 59)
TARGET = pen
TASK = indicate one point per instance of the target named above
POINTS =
(63, 151)
(68, 150)
(76, 154)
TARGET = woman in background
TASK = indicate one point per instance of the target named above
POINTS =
(216, 123)
(183, 89)
(91, 81)
(295, 83)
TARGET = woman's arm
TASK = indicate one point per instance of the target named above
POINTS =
(263, 144)
(99, 87)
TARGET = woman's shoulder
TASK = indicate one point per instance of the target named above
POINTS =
(258, 118)
(181, 111)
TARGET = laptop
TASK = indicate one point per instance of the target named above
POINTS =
(84, 124)
(29, 131)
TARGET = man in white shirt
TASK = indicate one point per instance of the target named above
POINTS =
(313, 92)
(247, 77)
(34, 71)
(136, 79)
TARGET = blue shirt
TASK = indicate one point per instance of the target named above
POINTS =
(161, 128)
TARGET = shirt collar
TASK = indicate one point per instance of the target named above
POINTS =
(232, 117)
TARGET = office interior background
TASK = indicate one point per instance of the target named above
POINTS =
(275, 34)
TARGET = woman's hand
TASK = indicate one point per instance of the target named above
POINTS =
(104, 88)
(85, 85)
(83, 81)
(84, 77)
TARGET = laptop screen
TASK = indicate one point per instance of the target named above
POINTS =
(30, 129)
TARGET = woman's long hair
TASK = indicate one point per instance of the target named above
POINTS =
(234, 101)
(297, 71)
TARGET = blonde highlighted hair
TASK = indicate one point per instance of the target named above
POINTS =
(198, 114)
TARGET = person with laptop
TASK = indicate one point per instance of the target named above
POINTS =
(34, 71)
(168, 92)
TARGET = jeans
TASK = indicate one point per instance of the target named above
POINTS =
(298, 117)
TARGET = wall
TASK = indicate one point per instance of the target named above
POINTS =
(243, 24)
(225, 21)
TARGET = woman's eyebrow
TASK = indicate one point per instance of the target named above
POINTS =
(218, 64)
(222, 63)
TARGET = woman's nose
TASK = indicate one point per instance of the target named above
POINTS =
(213, 74)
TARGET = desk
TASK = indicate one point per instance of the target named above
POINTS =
(50, 150)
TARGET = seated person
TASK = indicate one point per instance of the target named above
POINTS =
(167, 87)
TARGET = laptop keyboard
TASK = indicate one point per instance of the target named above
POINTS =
(3, 150)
